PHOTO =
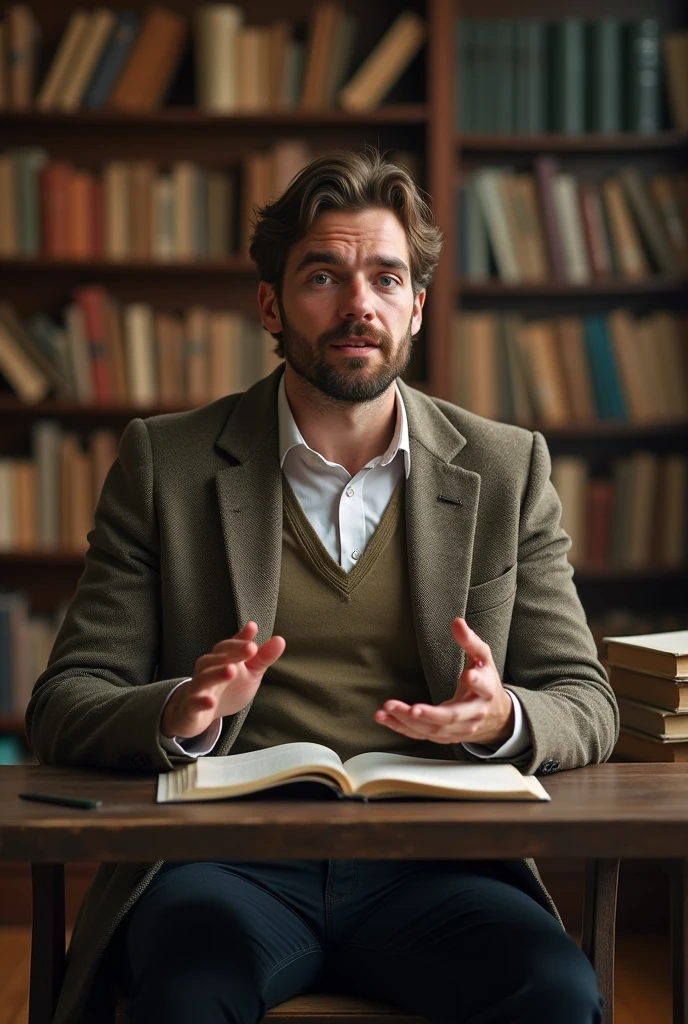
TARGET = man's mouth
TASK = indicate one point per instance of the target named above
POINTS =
(356, 343)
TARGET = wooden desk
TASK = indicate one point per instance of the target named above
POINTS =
(600, 813)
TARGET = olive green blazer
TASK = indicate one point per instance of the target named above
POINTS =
(186, 549)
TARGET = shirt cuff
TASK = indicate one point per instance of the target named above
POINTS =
(193, 746)
(519, 740)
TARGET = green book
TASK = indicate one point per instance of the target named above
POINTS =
(28, 165)
(482, 87)
(567, 81)
(535, 116)
(503, 34)
(605, 108)
(642, 80)
(465, 80)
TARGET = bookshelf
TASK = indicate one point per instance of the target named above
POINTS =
(418, 116)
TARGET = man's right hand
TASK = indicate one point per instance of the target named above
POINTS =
(224, 682)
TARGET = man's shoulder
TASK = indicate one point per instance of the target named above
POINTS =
(484, 436)
(197, 423)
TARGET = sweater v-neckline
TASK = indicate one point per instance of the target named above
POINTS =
(344, 581)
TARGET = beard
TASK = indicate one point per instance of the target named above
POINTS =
(354, 380)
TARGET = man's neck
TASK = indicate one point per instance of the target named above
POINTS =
(349, 434)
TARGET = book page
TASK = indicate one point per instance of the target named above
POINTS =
(243, 773)
(470, 781)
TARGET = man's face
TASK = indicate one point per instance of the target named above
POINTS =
(349, 280)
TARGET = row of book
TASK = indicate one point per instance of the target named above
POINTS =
(127, 62)
(649, 676)
(48, 499)
(634, 518)
(547, 225)
(108, 353)
(531, 76)
(136, 209)
(26, 641)
(563, 370)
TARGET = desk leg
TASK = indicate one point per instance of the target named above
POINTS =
(678, 915)
(599, 926)
(47, 941)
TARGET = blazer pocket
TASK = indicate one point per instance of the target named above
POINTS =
(491, 593)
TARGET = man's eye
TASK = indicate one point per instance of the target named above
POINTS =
(388, 278)
(316, 276)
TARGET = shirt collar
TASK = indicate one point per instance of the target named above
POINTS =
(290, 436)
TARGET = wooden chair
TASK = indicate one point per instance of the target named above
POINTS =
(322, 1008)
(597, 942)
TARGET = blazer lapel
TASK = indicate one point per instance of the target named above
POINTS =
(250, 499)
(441, 515)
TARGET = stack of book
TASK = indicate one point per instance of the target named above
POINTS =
(533, 76)
(130, 354)
(649, 675)
(563, 370)
(126, 62)
(547, 225)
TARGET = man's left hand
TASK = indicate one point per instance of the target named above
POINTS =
(481, 711)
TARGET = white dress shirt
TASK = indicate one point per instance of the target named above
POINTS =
(345, 511)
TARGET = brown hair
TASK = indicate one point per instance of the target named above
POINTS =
(345, 180)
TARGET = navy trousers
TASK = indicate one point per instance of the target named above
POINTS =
(457, 942)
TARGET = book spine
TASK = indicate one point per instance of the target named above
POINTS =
(112, 61)
(568, 80)
(604, 99)
(545, 171)
(643, 78)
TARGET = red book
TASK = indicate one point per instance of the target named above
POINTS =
(55, 212)
(599, 502)
(80, 215)
(97, 218)
(93, 302)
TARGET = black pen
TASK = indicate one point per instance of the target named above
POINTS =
(64, 801)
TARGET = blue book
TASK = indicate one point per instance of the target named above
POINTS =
(113, 57)
(11, 751)
(609, 397)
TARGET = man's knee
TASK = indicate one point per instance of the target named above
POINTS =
(563, 988)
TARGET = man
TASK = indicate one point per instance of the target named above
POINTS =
(329, 556)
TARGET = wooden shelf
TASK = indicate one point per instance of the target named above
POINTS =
(192, 117)
(610, 430)
(11, 407)
(114, 268)
(13, 724)
(621, 142)
(660, 284)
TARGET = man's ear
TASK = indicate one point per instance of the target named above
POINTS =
(417, 316)
(269, 307)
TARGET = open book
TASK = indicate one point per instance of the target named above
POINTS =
(365, 775)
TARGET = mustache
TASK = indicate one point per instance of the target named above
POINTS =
(354, 331)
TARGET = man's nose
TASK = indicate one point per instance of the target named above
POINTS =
(357, 302)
